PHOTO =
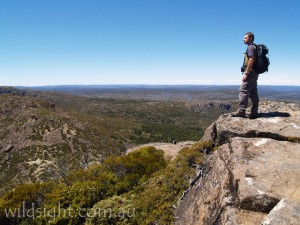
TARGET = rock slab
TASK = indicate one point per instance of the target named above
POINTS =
(252, 175)
(285, 212)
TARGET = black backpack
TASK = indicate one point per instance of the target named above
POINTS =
(262, 60)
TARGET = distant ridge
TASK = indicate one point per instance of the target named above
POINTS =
(285, 93)
(161, 86)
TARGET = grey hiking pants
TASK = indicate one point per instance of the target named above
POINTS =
(249, 89)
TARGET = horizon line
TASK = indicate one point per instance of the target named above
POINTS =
(140, 84)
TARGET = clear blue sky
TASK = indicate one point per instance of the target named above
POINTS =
(53, 42)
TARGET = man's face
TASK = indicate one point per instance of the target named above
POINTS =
(247, 39)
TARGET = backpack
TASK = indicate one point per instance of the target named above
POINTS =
(262, 60)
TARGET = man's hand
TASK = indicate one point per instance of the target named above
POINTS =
(244, 78)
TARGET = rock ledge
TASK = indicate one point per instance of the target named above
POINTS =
(254, 176)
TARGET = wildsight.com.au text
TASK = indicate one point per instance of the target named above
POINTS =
(24, 211)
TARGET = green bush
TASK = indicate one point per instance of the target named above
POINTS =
(117, 175)
(135, 167)
(111, 211)
(142, 187)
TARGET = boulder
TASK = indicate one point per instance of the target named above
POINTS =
(255, 166)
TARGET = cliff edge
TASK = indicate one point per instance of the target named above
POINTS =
(254, 175)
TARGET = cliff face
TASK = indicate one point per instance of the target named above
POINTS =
(254, 175)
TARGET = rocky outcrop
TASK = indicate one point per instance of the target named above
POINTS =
(254, 175)
(208, 105)
(12, 90)
(277, 121)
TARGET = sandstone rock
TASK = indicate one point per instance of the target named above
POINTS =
(277, 121)
(285, 212)
(256, 165)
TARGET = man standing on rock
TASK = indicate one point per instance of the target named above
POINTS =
(248, 87)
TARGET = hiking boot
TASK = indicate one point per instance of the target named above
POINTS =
(253, 115)
(238, 114)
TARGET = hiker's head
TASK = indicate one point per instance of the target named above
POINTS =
(249, 38)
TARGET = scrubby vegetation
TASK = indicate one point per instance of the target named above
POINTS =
(54, 132)
(141, 187)
(63, 154)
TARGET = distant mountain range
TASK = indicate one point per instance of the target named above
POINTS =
(157, 87)
(173, 92)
